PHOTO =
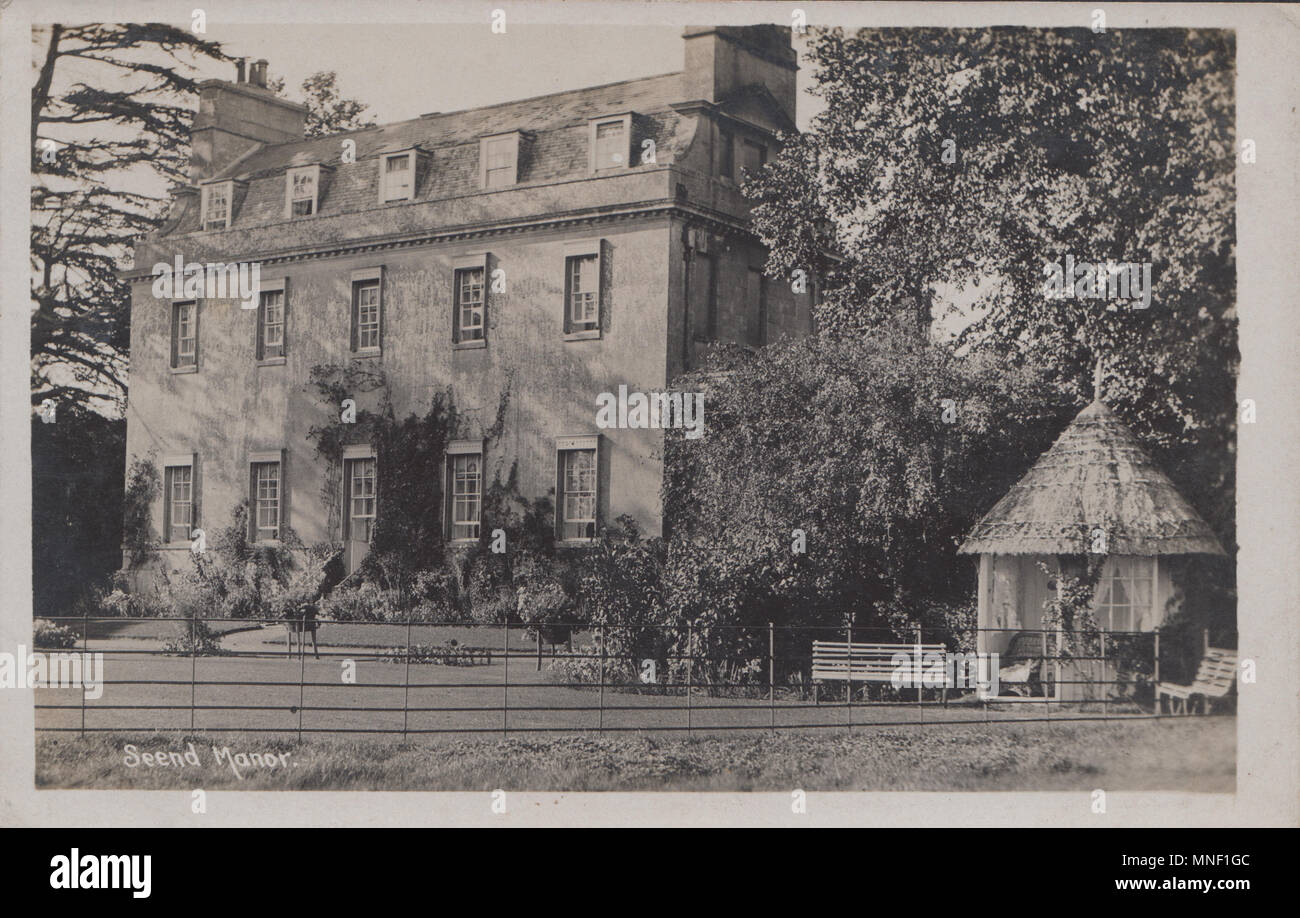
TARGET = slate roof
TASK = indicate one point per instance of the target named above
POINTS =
(556, 148)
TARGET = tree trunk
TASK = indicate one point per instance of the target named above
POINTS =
(41, 91)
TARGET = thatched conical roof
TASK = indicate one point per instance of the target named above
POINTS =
(1095, 475)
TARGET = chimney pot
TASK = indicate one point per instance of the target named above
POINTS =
(231, 118)
(239, 70)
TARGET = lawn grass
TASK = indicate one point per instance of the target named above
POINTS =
(1193, 754)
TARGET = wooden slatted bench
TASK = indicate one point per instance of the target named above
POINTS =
(840, 661)
(1214, 679)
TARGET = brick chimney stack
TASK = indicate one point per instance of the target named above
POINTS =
(258, 75)
(235, 117)
(723, 59)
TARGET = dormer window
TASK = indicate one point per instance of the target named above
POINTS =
(215, 205)
(397, 177)
(753, 157)
(302, 188)
(498, 158)
(611, 142)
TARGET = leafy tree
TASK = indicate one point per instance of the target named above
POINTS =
(1115, 145)
(327, 111)
(839, 475)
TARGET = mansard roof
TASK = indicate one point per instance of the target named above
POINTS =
(555, 127)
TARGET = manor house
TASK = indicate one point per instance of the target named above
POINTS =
(551, 249)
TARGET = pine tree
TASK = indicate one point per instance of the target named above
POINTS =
(111, 114)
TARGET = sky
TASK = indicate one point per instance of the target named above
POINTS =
(406, 71)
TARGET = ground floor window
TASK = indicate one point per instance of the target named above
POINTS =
(465, 485)
(577, 503)
(266, 500)
(178, 502)
(361, 480)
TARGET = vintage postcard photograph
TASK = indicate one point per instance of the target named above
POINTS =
(667, 398)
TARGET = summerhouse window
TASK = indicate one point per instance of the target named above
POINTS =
(1124, 593)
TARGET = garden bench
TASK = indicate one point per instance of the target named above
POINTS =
(841, 661)
(1214, 679)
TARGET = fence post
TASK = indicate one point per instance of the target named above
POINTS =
(1057, 655)
(539, 649)
(1105, 681)
(919, 675)
(302, 678)
(505, 681)
(690, 673)
(85, 628)
(1042, 674)
(848, 680)
(601, 723)
(771, 674)
(1155, 672)
(406, 675)
(194, 665)
(1205, 642)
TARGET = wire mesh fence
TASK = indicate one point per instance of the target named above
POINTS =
(410, 679)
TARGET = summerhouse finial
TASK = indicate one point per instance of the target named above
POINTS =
(1096, 380)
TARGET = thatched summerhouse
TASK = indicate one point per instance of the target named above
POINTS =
(1095, 488)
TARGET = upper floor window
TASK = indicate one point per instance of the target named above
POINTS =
(610, 142)
(499, 160)
(583, 291)
(470, 304)
(397, 177)
(185, 335)
(753, 156)
(215, 206)
(271, 315)
(583, 288)
(726, 154)
(302, 189)
(367, 311)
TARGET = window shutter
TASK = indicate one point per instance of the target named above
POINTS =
(355, 307)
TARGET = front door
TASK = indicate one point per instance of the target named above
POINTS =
(358, 510)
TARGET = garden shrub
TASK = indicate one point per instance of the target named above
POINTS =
(448, 653)
(47, 634)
